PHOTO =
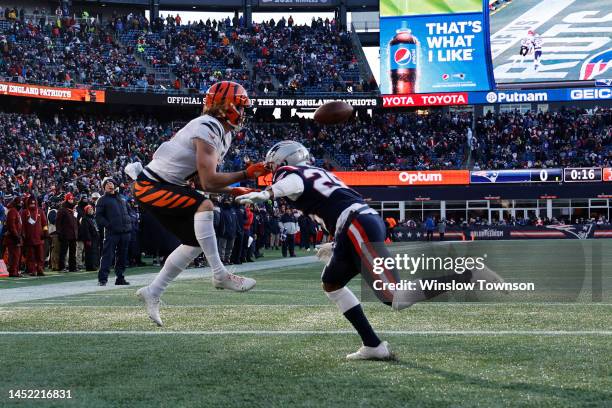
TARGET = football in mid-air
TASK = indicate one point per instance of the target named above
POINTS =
(333, 113)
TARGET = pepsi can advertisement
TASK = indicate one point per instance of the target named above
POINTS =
(430, 53)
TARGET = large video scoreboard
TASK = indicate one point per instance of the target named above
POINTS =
(459, 52)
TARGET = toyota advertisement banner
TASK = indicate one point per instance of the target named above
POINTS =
(434, 46)
(498, 97)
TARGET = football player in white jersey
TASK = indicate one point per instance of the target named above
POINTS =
(537, 51)
(162, 189)
(526, 47)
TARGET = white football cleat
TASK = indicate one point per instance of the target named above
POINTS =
(152, 304)
(234, 282)
(381, 352)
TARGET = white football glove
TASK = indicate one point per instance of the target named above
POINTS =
(325, 252)
(254, 197)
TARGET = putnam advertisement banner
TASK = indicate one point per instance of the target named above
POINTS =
(54, 93)
(434, 46)
(396, 178)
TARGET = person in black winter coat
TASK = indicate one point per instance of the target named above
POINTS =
(227, 230)
(88, 233)
(112, 215)
(240, 220)
(68, 230)
(134, 253)
(274, 227)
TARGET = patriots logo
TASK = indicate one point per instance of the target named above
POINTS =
(596, 65)
(580, 232)
(489, 175)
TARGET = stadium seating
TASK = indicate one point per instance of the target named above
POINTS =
(72, 152)
(129, 52)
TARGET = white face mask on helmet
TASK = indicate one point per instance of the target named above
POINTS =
(287, 153)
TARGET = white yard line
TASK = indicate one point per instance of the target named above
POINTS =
(54, 290)
(284, 306)
(315, 332)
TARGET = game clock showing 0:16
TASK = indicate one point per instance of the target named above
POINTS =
(582, 175)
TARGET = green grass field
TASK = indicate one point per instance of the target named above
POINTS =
(283, 344)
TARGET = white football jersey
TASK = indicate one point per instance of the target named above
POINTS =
(175, 160)
(537, 43)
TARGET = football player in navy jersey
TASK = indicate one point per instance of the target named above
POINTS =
(355, 227)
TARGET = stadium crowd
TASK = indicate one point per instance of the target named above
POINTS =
(566, 138)
(65, 52)
(59, 164)
(39, 47)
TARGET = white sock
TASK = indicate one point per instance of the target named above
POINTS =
(176, 263)
(344, 298)
(205, 234)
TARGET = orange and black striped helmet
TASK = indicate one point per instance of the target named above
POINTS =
(225, 99)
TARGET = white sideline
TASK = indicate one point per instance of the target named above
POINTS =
(54, 290)
(319, 332)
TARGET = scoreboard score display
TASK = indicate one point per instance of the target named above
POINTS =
(582, 174)
(517, 176)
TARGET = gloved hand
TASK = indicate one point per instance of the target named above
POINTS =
(254, 198)
(238, 191)
(256, 170)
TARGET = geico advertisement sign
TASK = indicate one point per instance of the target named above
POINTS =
(590, 94)
(395, 178)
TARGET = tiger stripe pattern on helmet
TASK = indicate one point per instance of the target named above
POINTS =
(227, 98)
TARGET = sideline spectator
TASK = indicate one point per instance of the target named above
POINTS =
(430, 225)
(35, 231)
(13, 237)
(289, 229)
(88, 233)
(67, 228)
(112, 215)
(442, 228)
(2, 222)
(274, 228)
(227, 230)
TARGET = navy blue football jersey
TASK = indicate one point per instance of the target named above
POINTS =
(325, 195)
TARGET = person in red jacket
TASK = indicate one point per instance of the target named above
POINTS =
(13, 237)
(68, 231)
(35, 231)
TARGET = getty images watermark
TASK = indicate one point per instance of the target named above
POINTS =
(423, 264)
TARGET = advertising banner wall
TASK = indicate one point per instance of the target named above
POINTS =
(133, 98)
(478, 233)
(54, 93)
(396, 178)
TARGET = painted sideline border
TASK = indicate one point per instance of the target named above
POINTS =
(314, 332)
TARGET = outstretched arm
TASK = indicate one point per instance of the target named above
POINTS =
(291, 186)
